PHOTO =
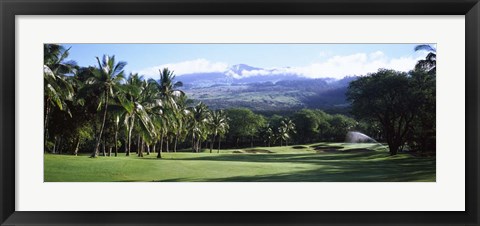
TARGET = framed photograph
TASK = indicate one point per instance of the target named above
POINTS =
(251, 113)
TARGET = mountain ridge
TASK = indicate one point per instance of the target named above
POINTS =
(242, 74)
(275, 92)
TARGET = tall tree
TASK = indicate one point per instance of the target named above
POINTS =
(340, 125)
(247, 124)
(199, 125)
(181, 121)
(129, 100)
(307, 123)
(422, 136)
(218, 122)
(269, 136)
(105, 78)
(141, 105)
(56, 87)
(286, 127)
(168, 94)
(148, 106)
(387, 97)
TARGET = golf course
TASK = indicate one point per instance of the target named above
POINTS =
(109, 121)
(319, 162)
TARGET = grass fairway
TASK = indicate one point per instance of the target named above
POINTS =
(334, 162)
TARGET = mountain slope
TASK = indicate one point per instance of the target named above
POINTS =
(251, 87)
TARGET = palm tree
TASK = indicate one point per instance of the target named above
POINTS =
(131, 94)
(137, 97)
(105, 78)
(56, 88)
(54, 57)
(79, 110)
(168, 88)
(269, 135)
(199, 124)
(286, 127)
(181, 120)
(223, 128)
(218, 122)
(430, 62)
(146, 107)
(117, 122)
(168, 94)
(121, 113)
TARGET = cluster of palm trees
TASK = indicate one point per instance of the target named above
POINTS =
(57, 89)
(282, 134)
(156, 112)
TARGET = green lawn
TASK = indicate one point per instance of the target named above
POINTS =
(309, 163)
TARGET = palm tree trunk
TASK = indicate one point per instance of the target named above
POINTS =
(95, 152)
(166, 144)
(54, 144)
(198, 145)
(148, 149)
(109, 151)
(153, 146)
(104, 144)
(219, 138)
(175, 145)
(45, 127)
(116, 141)
(138, 144)
(125, 149)
(211, 143)
(193, 143)
(130, 136)
(140, 148)
(160, 151)
(76, 146)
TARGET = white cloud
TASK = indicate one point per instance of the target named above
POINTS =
(337, 66)
(341, 66)
(325, 53)
(186, 67)
(376, 55)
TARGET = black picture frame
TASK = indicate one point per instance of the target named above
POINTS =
(10, 8)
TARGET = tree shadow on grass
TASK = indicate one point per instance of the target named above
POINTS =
(370, 166)
(371, 173)
(285, 158)
(366, 174)
(267, 158)
(347, 172)
(172, 180)
(350, 158)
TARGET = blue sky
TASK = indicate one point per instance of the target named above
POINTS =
(311, 60)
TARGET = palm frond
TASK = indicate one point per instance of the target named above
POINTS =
(425, 47)
(119, 67)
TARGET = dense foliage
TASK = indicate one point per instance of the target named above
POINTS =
(403, 104)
